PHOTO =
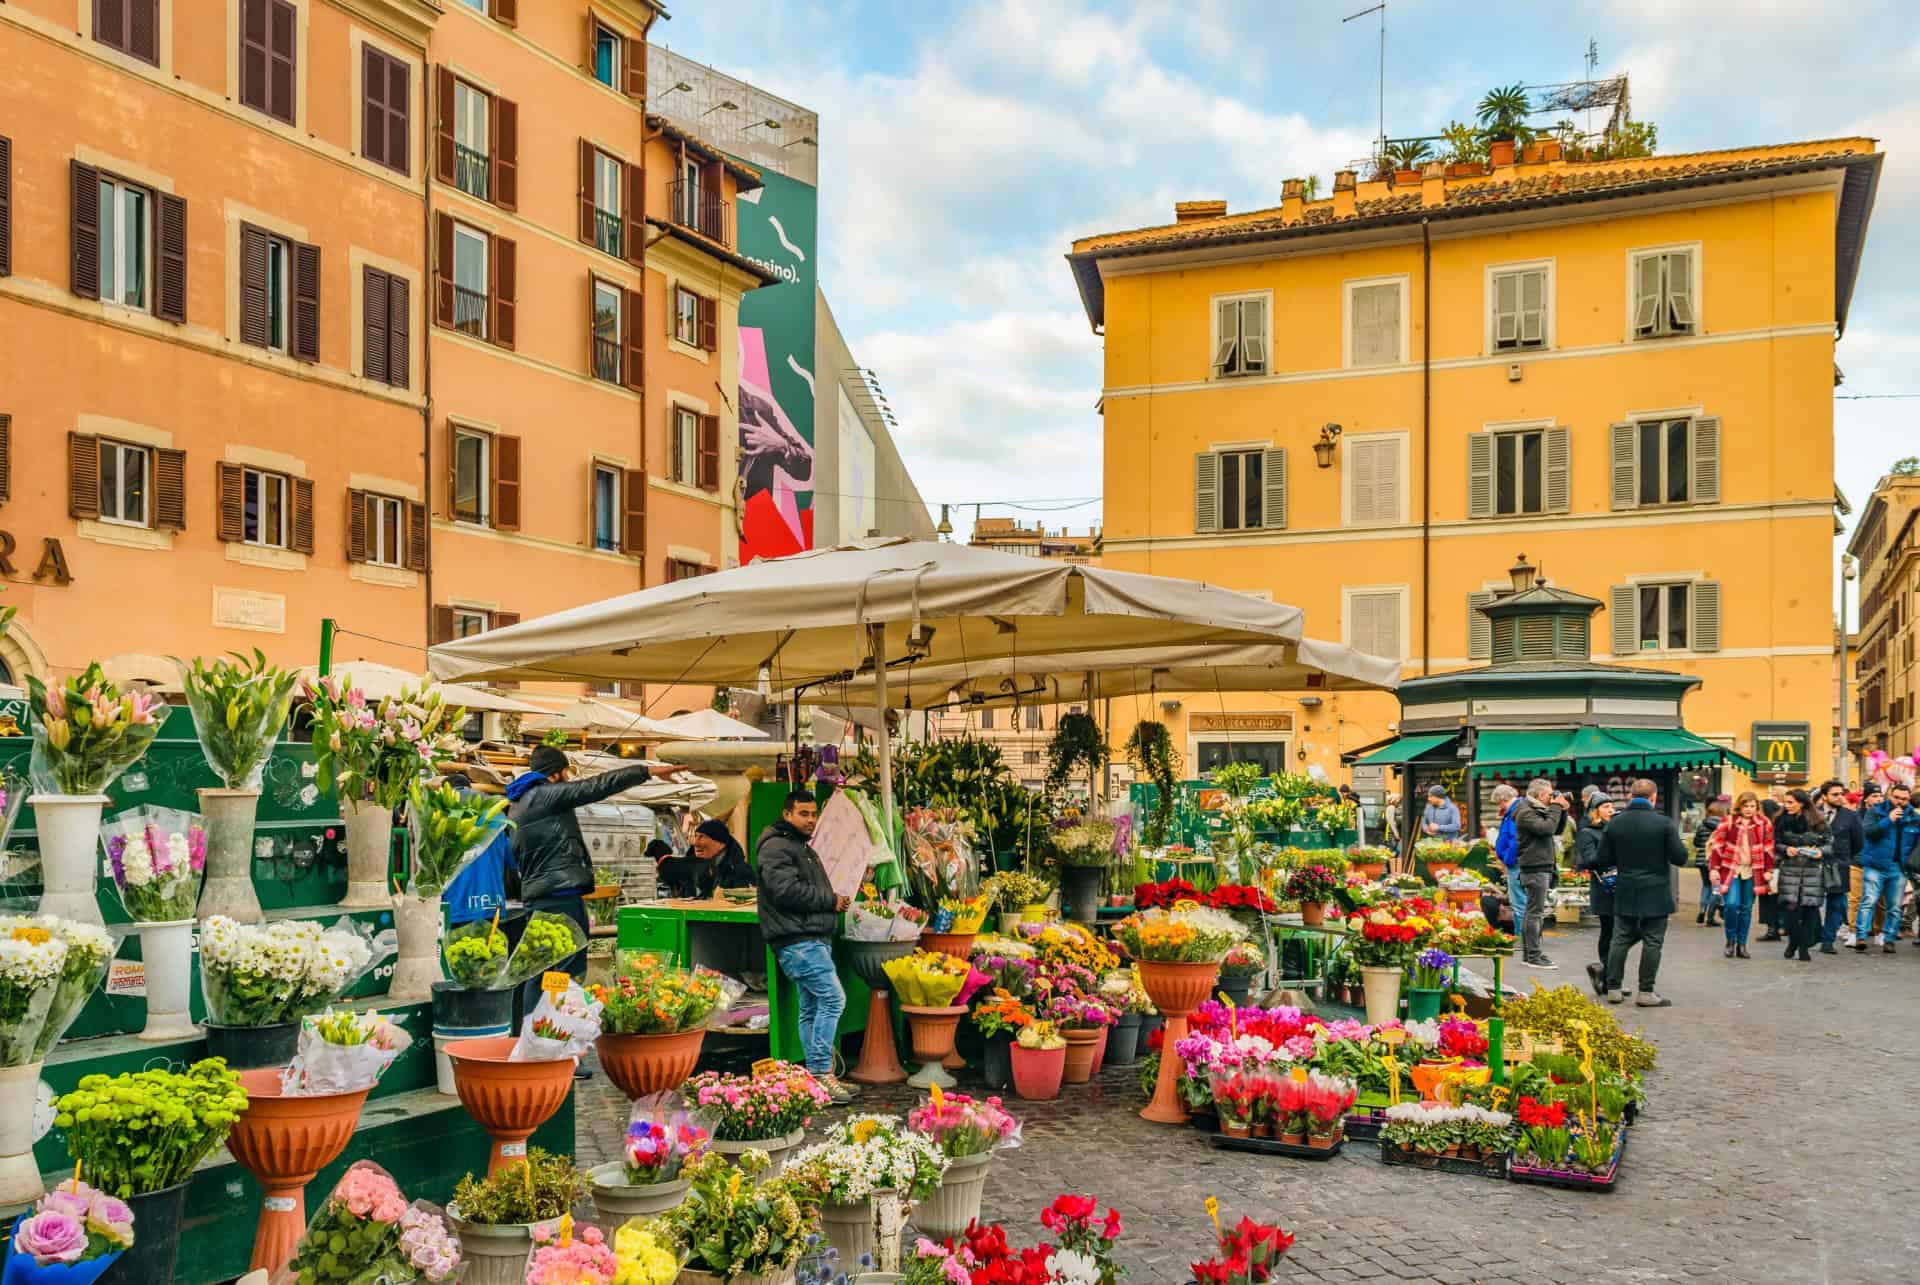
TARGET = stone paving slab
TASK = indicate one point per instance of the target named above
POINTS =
(1776, 1146)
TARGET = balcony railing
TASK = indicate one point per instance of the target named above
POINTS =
(606, 232)
(470, 311)
(698, 207)
(606, 359)
(470, 171)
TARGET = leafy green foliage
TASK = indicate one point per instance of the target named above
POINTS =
(1503, 113)
(733, 1223)
(1409, 153)
(972, 775)
(546, 1186)
(1150, 750)
(239, 707)
(554, 738)
(447, 826)
(1076, 743)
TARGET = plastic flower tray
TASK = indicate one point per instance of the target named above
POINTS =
(1274, 1147)
(1570, 1179)
(1364, 1125)
(1495, 1168)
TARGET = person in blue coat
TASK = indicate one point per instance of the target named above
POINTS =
(1892, 832)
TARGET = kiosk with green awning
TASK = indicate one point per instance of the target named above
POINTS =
(1544, 708)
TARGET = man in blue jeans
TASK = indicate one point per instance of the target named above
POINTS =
(1506, 846)
(1892, 832)
(799, 911)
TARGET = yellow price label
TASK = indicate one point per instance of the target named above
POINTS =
(1298, 1075)
(1459, 1004)
(1392, 1037)
(939, 1098)
(565, 1226)
(1498, 1094)
(1213, 1212)
(1392, 1065)
(766, 1066)
(555, 983)
(1233, 1016)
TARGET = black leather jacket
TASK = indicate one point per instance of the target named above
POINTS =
(797, 902)
(547, 846)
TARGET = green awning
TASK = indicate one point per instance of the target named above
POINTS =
(1521, 753)
(1597, 749)
(1407, 748)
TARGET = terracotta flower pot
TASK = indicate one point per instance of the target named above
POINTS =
(1037, 1073)
(1322, 1141)
(507, 1099)
(1463, 896)
(284, 1142)
(932, 1030)
(1313, 913)
(959, 945)
(643, 1064)
(1176, 990)
(1100, 1048)
(1263, 1129)
(1367, 869)
(1235, 1130)
(1442, 869)
(1293, 1139)
(1080, 1051)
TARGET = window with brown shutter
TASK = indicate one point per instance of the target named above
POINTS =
(633, 214)
(306, 302)
(169, 489)
(443, 269)
(416, 552)
(268, 31)
(231, 526)
(85, 239)
(303, 515)
(506, 482)
(131, 26)
(6, 458)
(170, 248)
(443, 125)
(681, 569)
(501, 619)
(373, 323)
(6, 206)
(710, 452)
(709, 324)
(83, 475)
(257, 320)
(399, 333)
(501, 291)
(635, 341)
(381, 532)
(385, 109)
(506, 12)
(633, 512)
(636, 70)
(442, 624)
(357, 525)
(589, 193)
(506, 154)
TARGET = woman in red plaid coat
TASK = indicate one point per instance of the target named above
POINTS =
(1740, 865)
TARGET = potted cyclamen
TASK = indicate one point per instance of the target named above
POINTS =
(449, 830)
(85, 734)
(663, 1137)
(1238, 968)
(496, 1217)
(861, 1174)
(738, 1223)
(652, 1023)
(369, 754)
(157, 868)
(107, 1118)
(238, 708)
(1039, 1062)
(1313, 887)
(967, 1132)
(259, 980)
(1178, 952)
(1121, 990)
(765, 1113)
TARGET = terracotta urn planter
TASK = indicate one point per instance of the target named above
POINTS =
(1080, 1050)
(1367, 869)
(1463, 896)
(1176, 990)
(933, 1030)
(1037, 1073)
(959, 945)
(640, 1065)
(284, 1142)
(507, 1099)
(879, 1053)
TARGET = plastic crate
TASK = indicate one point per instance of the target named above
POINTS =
(1570, 1180)
(1495, 1168)
(1274, 1147)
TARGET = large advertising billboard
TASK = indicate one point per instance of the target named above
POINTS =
(778, 229)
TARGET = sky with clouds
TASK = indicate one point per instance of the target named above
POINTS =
(964, 145)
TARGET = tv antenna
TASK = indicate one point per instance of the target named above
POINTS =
(1380, 9)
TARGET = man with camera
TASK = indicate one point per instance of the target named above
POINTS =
(1537, 819)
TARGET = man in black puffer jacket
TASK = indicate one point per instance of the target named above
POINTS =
(799, 911)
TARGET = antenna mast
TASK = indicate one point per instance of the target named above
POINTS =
(1381, 9)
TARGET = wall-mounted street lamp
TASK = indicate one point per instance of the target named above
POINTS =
(724, 105)
(1323, 449)
(769, 123)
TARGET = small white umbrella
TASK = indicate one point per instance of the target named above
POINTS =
(597, 718)
(712, 725)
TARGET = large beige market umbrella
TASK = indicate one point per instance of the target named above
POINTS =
(868, 605)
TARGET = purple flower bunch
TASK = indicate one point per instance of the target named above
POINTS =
(1431, 968)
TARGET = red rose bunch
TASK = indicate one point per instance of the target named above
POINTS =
(1247, 1255)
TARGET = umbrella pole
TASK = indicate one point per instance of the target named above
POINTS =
(878, 634)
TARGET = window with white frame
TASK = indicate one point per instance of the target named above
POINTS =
(1373, 475)
(1240, 336)
(1034, 718)
(606, 507)
(1240, 489)
(263, 508)
(126, 238)
(1519, 472)
(125, 482)
(607, 364)
(1663, 293)
(468, 621)
(686, 446)
(470, 255)
(1374, 331)
(606, 56)
(686, 316)
(1373, 622)
(386, 534)
(607, 175)
(1665, 459)
(472, 476)
(472, 139)
(1519, 308)
(279, 278)
(1664, 611)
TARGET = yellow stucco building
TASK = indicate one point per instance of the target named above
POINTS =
(1369, 405)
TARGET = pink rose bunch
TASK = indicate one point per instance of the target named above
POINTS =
(74, 1223)
(369, 1193)
(585, 1260)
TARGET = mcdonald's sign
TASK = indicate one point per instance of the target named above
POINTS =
(1780, 752)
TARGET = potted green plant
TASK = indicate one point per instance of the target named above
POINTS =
(138, 1136)
(496, 1215)
(238, 708)
(85, 734)
(1503, 119)
(1313, 887)
(1150, 750)
(1084, 850)
(738, 1224)
(861, 1163)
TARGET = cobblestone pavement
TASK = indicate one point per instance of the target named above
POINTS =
(1773, 1147)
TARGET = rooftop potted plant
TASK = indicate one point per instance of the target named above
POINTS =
(85, 734)
(238, 708)
(496, 1216)
(1503, 115)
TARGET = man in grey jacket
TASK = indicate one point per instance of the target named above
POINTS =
(1538, 818)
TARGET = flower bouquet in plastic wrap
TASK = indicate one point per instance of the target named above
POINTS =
(238, 707)
(652, 996)
(74, 1234)
(960, 1126)
(939, 862)
(476, 955)
(549, 940)
(48, 967)
(565, 1023)
(341, 1052)
(157, 856)
(449, 830)
(265, 974)
(933, 979)
(877, 917)
(89, 952)
(86, 732)
(664, 1135)
(367, 1232)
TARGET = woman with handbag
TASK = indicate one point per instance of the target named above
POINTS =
(1740, 862)
(1804, 847)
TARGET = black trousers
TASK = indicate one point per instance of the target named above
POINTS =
(1803, 926)
(1606, 936)
(1649, 932)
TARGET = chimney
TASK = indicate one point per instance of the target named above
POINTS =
(1343, 193)
(1195, 211)
(1293, 199)
(1433, 184)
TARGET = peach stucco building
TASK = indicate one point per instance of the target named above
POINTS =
(350, 308)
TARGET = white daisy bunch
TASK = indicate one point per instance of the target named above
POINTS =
(871, 1153)
(262, 974)
(89, 949)
(31, 960)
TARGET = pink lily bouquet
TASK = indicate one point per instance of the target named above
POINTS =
(73, 1235)
(86, 733)
(156, 868)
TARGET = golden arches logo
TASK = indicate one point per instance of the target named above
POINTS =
(1780, 752)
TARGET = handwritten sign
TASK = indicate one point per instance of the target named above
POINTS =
(767, 1066)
